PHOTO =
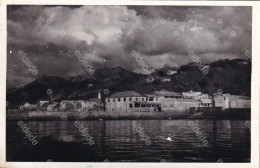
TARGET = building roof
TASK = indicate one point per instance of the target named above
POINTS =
(94, 99)
(126, 94)
(147, 103)
(52, 104)
(226, 94)
(150, 95)
(191, 93)
(44, 101)
(186, 100)
(206, 101)
(244, 97)
(166, 93)
(218, 97)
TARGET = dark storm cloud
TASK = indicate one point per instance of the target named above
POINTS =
(106, 35)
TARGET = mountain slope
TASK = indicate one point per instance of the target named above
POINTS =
(232, 76)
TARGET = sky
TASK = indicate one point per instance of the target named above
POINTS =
(106, 36)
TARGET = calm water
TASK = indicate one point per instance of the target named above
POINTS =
(117, 141)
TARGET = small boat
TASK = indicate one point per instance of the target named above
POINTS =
(169, 139)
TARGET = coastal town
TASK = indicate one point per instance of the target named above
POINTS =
(156, 83)
(158, 101)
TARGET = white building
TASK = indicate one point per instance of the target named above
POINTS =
(191, 95)
(168, 100)
(171, 72)
(129, 101)
(227, 101)
(41, 103)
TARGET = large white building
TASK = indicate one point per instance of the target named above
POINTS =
(175, 101)
(227, 101)
(129, 101)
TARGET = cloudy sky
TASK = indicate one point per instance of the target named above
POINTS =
(106, 35)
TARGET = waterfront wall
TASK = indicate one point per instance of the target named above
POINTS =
(218, 113)
(199, 113)
(46, 115)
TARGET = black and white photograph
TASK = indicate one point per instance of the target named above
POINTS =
(128, 83)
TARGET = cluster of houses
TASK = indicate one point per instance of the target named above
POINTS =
(168, 101)
(129, 101)
(67, 105)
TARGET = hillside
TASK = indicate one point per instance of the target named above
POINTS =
(232, 76)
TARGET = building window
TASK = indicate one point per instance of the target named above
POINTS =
(124, 99)
(108, 100)
(114, 100)
(130, 106)
(142, 99)
(130, 99)
(119, 99)
(136, 99)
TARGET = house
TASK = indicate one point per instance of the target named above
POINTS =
(41, 103)
(227, 101)
(53, 106)
(185, 104)
(205, 103)
(163, 94)
(167, 99)
(205, 100)
(171, 72)
(28, 106)
(91, 104)
(129, 101)
(243, 102)
(221, 101)
(203, 96)
(82, 105)
(191, 95)
(165, 79)
(240, 102)
(149, 79)
(68, 105)
(151, 97)
(146, 106)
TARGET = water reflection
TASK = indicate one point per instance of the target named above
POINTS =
(117, 141)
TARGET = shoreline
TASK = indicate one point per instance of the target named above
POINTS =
(244, 114)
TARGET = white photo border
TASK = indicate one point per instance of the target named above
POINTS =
(255, 92)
